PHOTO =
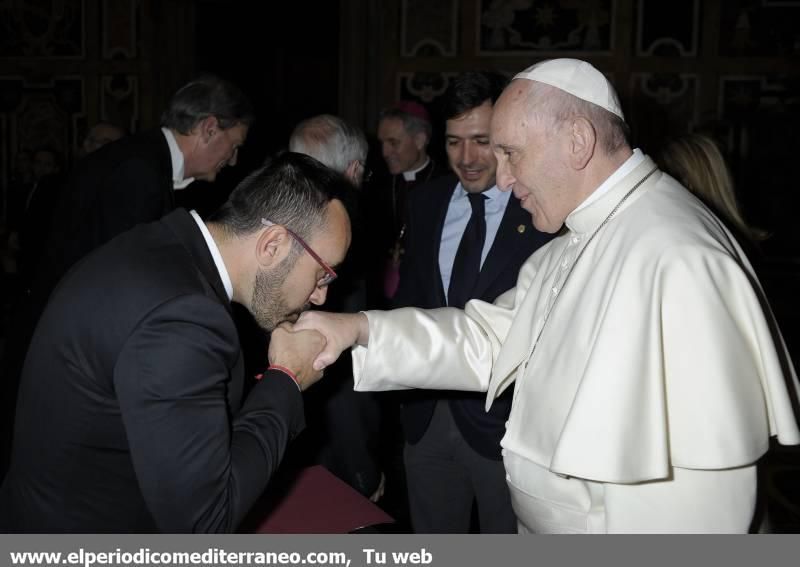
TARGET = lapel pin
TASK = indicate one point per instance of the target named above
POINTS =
(521, 228)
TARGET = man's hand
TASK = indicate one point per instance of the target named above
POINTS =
(341, 331)
(296, 350)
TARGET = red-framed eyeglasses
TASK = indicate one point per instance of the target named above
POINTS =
(329, 276)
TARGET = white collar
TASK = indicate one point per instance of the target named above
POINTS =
(630, 164)
(176, 156)
(593, 215)
(411, 174)
(215, 254)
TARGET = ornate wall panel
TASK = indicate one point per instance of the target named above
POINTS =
(119, 102)
(759, 28)
(429, 29)
(119, 29)
(556, 26)
(41, 114)
(42, 28)
(662, 105)
(424, 87)
(66, 64)
(667, 28)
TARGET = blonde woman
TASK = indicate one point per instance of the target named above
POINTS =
(695, 161)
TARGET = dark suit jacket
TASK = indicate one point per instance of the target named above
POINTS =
(421, 286)
(110, 191)
(131, 415)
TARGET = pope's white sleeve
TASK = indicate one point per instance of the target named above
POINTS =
(438, 349)
(416, 348)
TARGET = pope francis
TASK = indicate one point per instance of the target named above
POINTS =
(647, 368)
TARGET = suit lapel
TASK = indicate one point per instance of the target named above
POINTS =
(506, 245)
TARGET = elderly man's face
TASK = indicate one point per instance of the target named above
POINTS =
(402, 150)
(530, 156)
(282, 294)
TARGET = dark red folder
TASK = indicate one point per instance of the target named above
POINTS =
(317, 502)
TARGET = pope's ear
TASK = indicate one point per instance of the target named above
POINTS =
(582, 143)
(272, 246)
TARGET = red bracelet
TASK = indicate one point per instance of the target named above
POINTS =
(283, 369)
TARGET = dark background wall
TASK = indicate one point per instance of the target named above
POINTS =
(285, 59)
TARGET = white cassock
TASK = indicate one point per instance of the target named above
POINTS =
(654, 386)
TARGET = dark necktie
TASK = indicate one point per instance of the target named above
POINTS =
(467, 263)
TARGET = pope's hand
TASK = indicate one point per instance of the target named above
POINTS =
(341, 331)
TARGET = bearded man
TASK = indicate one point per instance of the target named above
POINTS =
(131, 414)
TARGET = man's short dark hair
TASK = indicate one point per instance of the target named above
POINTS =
(470, 90)
(290, 189)
(206, 96)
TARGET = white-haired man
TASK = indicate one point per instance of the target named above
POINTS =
(648, 372)
(334, 142)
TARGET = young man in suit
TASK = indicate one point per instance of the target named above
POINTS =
(131, 414)
(481, 237)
